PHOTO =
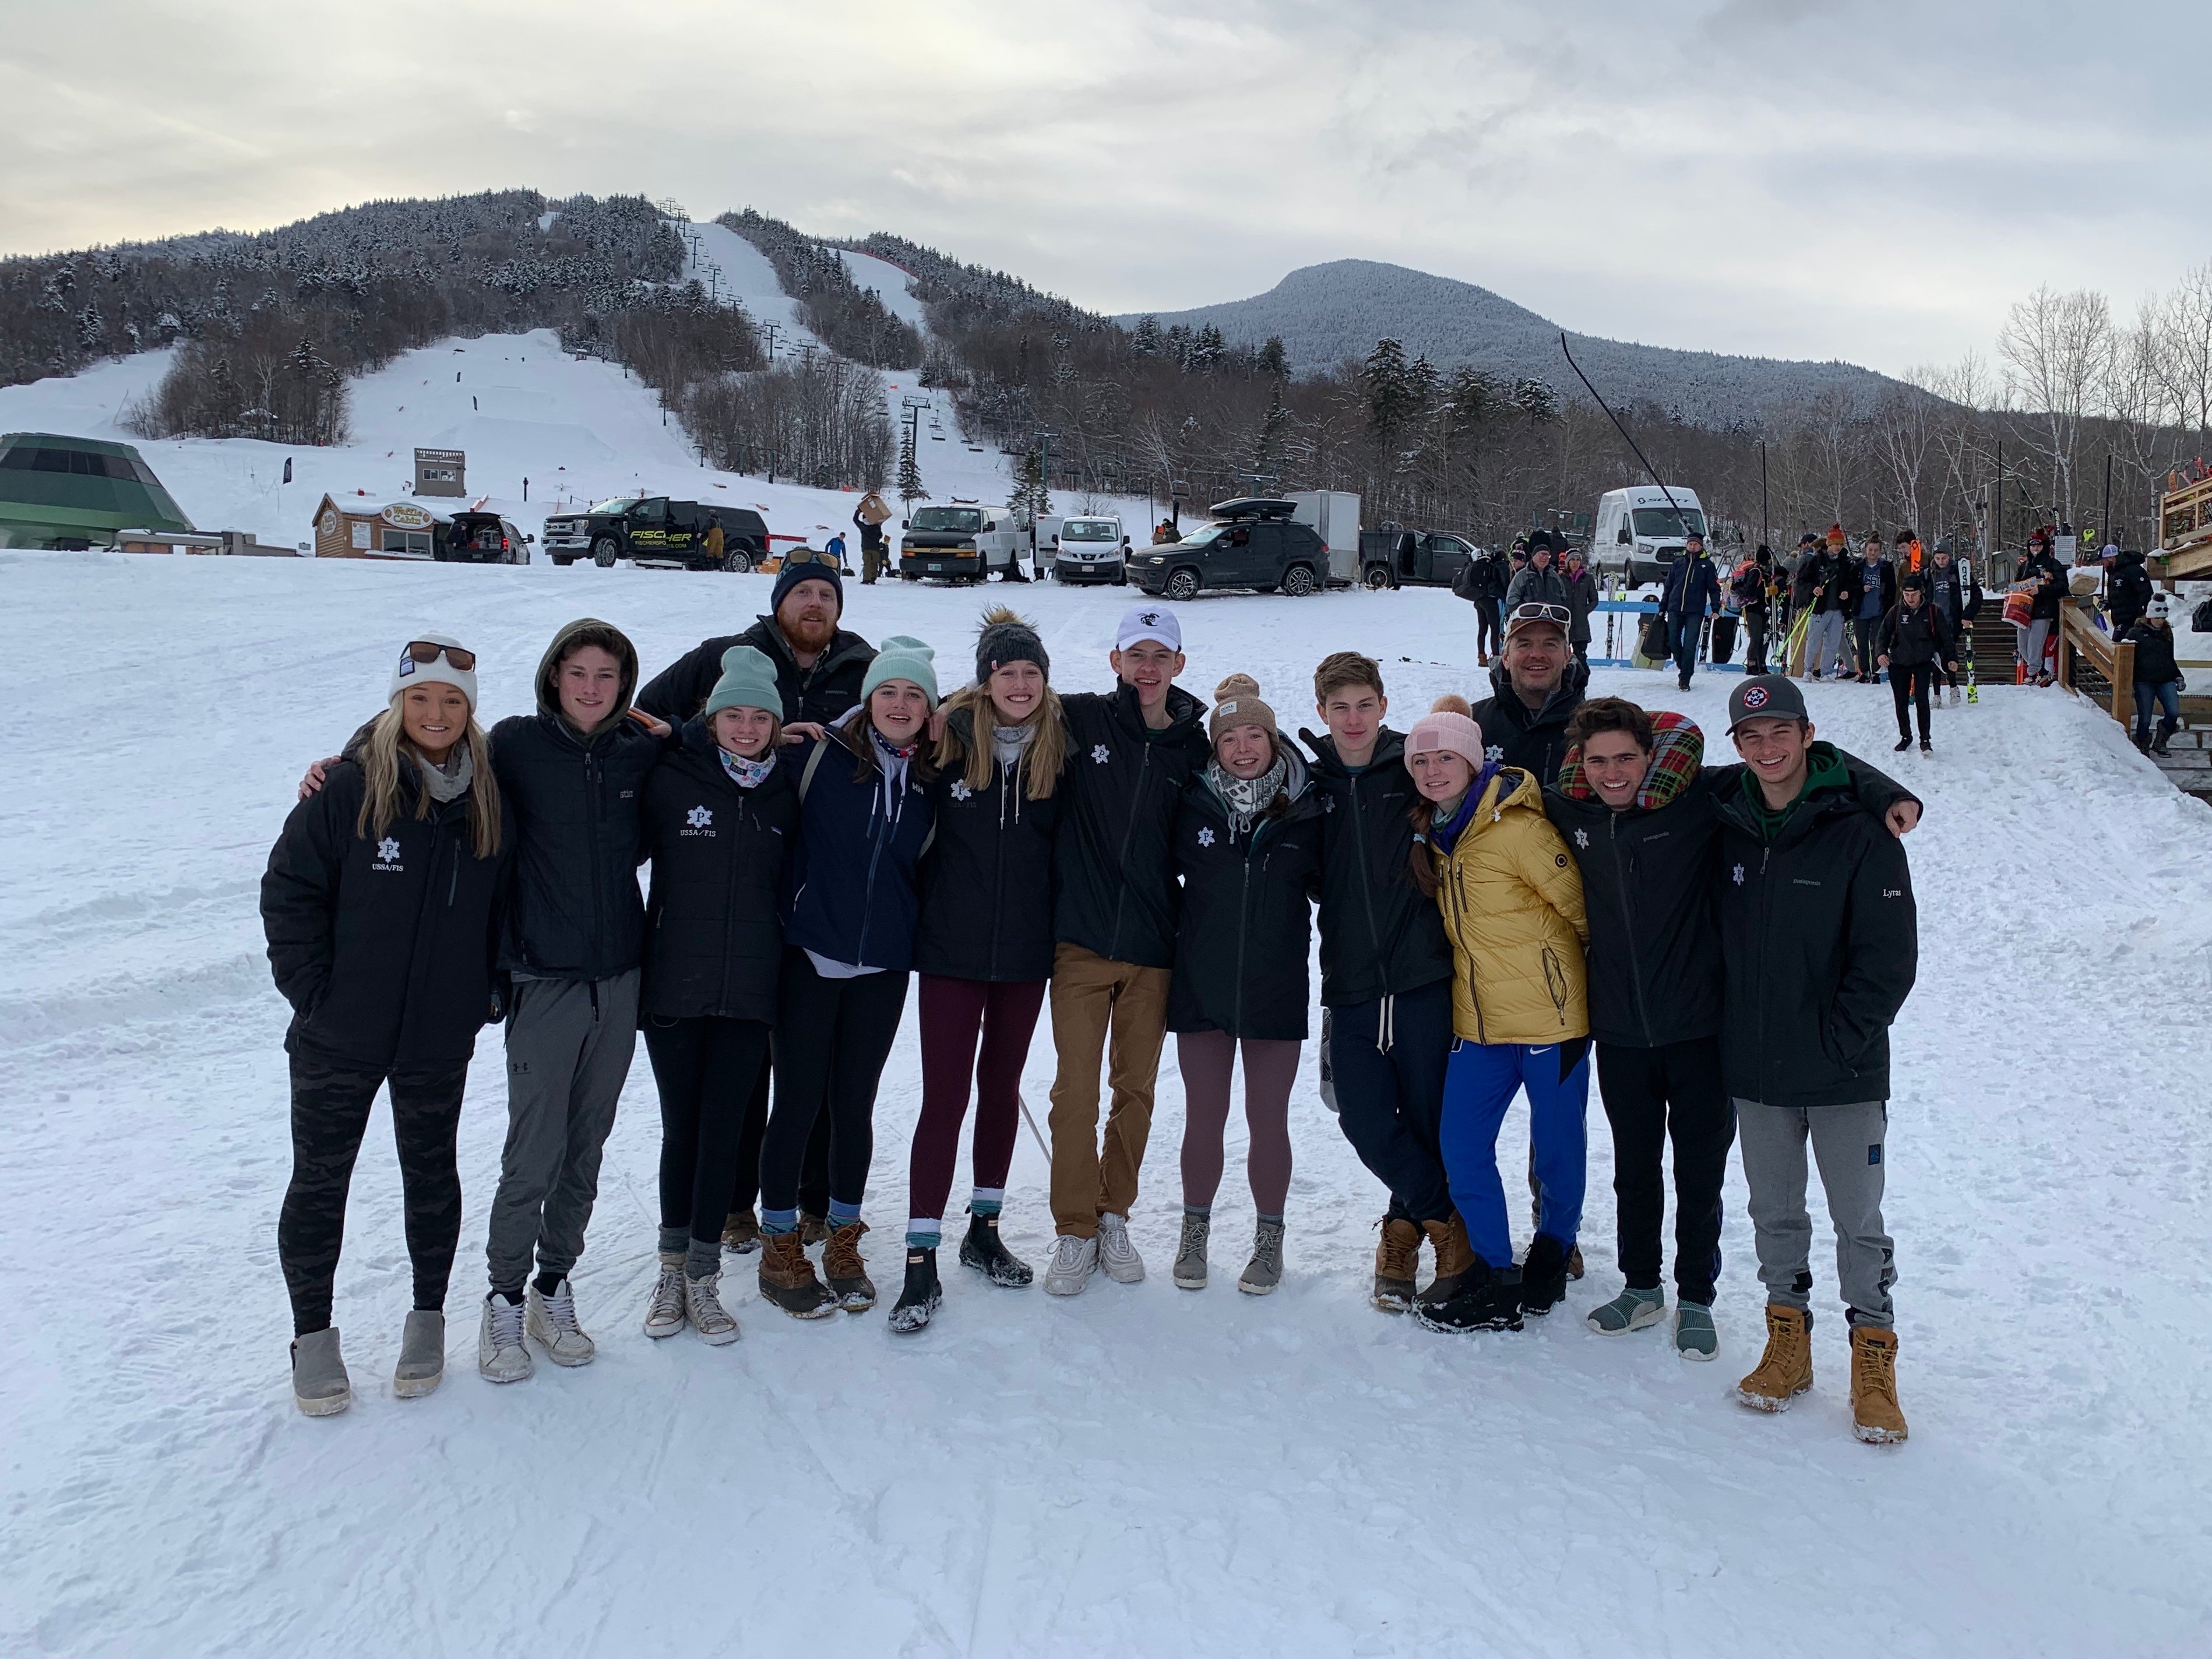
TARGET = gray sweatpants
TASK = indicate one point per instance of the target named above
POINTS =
(1848, 1142)
(1824, 643)
(568, 1049)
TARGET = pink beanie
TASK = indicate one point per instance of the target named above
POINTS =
(1449, 726)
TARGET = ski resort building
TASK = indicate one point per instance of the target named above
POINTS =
(77, 493)
(359, 528)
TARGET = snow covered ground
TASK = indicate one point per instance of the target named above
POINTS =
(1139, 1471)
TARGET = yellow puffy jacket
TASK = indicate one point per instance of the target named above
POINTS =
(1512, 900)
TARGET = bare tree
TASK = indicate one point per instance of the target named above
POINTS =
(2183, 355)
(2055, 348)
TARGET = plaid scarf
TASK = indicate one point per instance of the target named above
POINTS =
(1678, 750)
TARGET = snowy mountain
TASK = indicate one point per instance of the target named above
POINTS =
(1325, 314)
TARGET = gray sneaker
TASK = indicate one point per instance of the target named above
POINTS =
(702, 1307)
(1190, 1253)
(664, 1309)
(1265, 1270)
(500, 1355)
(422, 1354)
(1632, 1311)
(551, 1322)
(320, 1387)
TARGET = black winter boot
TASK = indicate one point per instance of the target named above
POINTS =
(1484, 1301)
(2167, 726)
(922, 1296)
(983, 1250)
(1543, 1274)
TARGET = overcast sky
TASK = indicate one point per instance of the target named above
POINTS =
(1870, 180)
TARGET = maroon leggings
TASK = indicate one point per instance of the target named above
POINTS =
(1270, 1066)
(954, 1012)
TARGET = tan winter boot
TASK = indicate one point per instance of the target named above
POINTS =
(1875, 1416)
(786, 1277)
(741, 1234)
(1785, 1371)
(1397, 1261)
(1455, 1258)
(847, 1273)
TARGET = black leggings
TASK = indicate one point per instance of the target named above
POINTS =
(1911, 681)
(1652, 1095)
(330, 1114)
(706, 1069)
(814, 1174)
(832, 1038)
(1486, 621)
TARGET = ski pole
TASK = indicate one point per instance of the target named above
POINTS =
(1031, 1121)
(1623, 430)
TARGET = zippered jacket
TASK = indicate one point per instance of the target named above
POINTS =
(713, 941)
(1380, 934)
(2155, 663)
(1692, 587)
(1113, 867)
(1246, 928)
(823, 692)
(1532, 740)
(853, 898)
(1821, 941)
(384, 945)
(1512, 902)
(1912, 638)
(986, 883)
(1955, 593)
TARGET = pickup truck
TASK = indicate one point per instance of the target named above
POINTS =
(1412, 558)
(654, 529)
(961, 541)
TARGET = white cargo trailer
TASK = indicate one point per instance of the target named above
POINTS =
(1335, 516)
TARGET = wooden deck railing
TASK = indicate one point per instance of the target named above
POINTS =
(2114, 660)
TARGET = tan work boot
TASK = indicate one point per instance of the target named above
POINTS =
(847, 1273)
(1875, 1416)
(786, 1277)
(1397, 1262)
(1786, 1370)
(1455, 1258)
(741, 1233)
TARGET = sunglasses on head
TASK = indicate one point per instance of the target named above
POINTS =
(427, 652)
(1535, 612)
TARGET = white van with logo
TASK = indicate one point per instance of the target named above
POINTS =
(1636, 535)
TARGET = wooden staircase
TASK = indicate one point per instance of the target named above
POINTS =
(2188, 759)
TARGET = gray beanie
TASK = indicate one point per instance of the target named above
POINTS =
(1008, 638)
(748, 681)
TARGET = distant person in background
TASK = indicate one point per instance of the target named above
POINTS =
(713, 543)
(1482, 582)
(2158, 678)
(2128, 590)
(1581, 600)
(1870, 590)
(1753, 588)
(1165, 534)
(1953, 591)
(1825, 600)
(835, 551)
(1693, 589)
(1541, 583)
(1914, 644)
(2042, 579)
(868, 518)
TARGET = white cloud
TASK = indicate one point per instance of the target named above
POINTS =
(1853, 177)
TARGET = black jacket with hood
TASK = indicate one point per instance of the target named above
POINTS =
(1380, 935)
(1954, 591)
(1245, 930)
(2132, 591)
(2155, 663)
(1532, 739)
(574, 802)
(1821, 941)
(821, 694)
(1113, 865)
(1853, 587)
(986, 883)
(385, 945)
(713, 929)
(1912, 638)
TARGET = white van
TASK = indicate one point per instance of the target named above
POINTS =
(1091, 548)
(1636, 535)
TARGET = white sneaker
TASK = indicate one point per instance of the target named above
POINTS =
(1954, 697)
(551, 1323)
(1116, 1255)
(500, 1355)
(702, 1306)
(664, 1314)
(1073, 1260)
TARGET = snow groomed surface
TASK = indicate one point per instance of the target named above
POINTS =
(1139, 1471)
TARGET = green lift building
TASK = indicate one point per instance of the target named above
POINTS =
(76, 493)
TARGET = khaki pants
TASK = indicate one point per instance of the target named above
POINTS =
(872, 561)
(1090, 994)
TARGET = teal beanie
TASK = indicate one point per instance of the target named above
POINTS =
(902, 658)
(748, 682)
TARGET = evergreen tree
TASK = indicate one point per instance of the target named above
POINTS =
(910, 486)
(1267, 454)
(1273, 361)
(1032, 497)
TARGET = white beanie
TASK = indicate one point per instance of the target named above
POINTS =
(409, 673)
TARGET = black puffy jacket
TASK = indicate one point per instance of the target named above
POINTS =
(574, 803)
(384, 945)
(2155, 663)
(1532, 739)
(2131, 589)
(2051, 595)
(1245, 926)
(821, 694)
(986, 883)
(714, 940)
(1821, 942)
(1380, 935)
(853, 878)
(1113, 869)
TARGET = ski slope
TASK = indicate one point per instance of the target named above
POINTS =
(1137, 1471)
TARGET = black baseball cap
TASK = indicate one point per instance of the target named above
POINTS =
(1765, 696)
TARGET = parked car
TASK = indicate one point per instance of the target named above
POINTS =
(1636, 535)
(655, 530)
(1093, 549)
(1251, 542)
(482, 539)
(1412, 558)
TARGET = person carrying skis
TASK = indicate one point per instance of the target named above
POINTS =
(1914, 645)
(721, 809)
(865, 817)
(1826, 600)
(1247, 845)
(1753, 588)
(1512, 904)
(382, 903)
(1956, 595)
(1386, 971)
(2158, 677)
(984, 947)
(1131, 752)
(1869, 590)
(1819, 941)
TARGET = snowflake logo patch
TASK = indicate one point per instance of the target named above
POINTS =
(961, 791)
(1581, 838)
(1205, 837)
(1099, 753)
(1739, 875)
(1495, 754)
(699, 817)
(387, 850)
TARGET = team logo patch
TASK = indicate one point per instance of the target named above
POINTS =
(1739, 875)
(406, 663)
(388, 849)
(699, 817)
(1754, 696)
(1099, 753)
(1150, 618)
(1581, 838)
(1205, 838)
(961, 791)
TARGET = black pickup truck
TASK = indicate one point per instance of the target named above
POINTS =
(1412, 558)
(653, 530)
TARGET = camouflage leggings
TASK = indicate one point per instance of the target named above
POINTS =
(330, 1114)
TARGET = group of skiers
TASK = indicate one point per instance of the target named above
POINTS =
(1505, 892)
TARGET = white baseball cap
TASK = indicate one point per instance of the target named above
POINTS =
(1148, 622)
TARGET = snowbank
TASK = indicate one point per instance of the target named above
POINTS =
(1139, 1471)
